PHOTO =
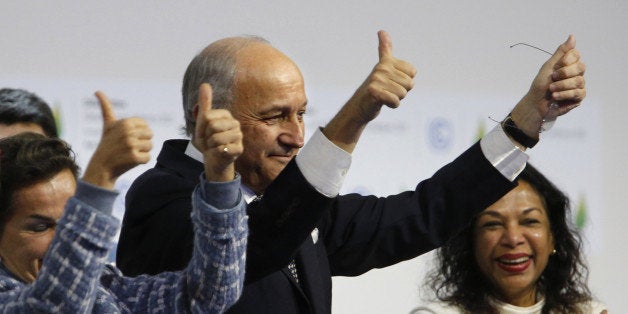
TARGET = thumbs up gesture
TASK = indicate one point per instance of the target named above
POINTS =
(217, 136)
(560, 81)
(124, 144)
(389, 82)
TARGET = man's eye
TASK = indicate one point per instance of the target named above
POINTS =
(274, 119)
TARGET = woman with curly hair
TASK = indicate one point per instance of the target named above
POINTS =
(520, 255)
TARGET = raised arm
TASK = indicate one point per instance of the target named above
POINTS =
(387, 85)
(444, 204)
(74, 260)
(216, 270)
(213, 279)
(558, 88)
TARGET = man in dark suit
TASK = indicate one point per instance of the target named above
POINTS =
(301, 234)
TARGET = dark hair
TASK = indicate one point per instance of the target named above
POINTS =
(27, 159)
(458, 280)
(20, 106)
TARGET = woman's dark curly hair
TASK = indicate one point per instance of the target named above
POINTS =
(27, 159)
(458, 280)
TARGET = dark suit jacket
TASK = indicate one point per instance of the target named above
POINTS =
(355, 233)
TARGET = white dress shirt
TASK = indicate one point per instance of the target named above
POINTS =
(325, 165)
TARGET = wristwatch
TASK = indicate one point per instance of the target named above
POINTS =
(517, 134)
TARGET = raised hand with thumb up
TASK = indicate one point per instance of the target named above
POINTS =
(124, 144)
(558, 88)
(387, 84)
(217, 136)
(389, 81)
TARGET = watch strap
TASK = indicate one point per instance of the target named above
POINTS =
(517, 134)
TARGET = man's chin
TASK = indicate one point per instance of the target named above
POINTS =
(259, 181)
(284, 160)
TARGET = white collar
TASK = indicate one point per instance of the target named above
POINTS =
(506, 308)
(191, 150)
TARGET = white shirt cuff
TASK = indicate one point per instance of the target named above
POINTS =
(507, 158)
(323, 164)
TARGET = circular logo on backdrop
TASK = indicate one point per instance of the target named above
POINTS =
(440, 133)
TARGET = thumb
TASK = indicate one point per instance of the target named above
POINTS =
(205, 96)
(385, 45)
(569, 44)
(203, 106)
(108, 116)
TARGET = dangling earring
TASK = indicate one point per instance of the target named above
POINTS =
(553, 252)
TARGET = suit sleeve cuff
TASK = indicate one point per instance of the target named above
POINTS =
(323, 164)
(220, 195)
(96, 197)
(507, 158)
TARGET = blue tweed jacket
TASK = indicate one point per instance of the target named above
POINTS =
(75, 279)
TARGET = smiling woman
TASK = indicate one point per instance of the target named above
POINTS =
(520, 255)
(513, 243)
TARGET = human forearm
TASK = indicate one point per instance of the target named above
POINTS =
(345, 129)
(215, 274)
(374, 232)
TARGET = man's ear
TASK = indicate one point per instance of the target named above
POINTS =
(195, 112)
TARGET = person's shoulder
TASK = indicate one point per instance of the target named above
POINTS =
(173, 171)
(435, 308)
(173, 160)
(593, 307)
(158, 183)
(155, 190)
(157, 176)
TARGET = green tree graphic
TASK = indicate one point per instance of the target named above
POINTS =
(56, 112)
(581, 213)
(481, 130)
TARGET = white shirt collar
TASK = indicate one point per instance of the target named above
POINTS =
(193, 152)
(505, 308)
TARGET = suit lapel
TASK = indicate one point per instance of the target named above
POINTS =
(308, 263)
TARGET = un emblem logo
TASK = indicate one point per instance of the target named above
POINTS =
(440, 134)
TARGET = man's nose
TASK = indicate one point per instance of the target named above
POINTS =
(292, 133)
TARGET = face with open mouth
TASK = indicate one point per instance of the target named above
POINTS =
(513, 243)
(27, 233)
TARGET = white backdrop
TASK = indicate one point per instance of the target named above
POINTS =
(137, 52)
